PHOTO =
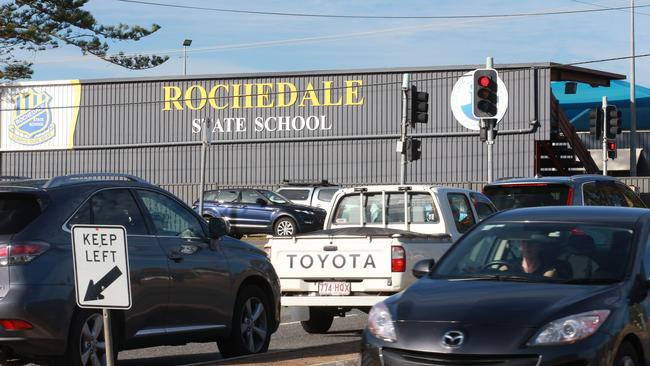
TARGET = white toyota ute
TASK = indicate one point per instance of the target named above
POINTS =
(371, 239)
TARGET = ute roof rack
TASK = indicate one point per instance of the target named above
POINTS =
(75, 178)
(307, 182)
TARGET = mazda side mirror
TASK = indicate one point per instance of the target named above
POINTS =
(261, 201)
(423, 267)
(217, 227)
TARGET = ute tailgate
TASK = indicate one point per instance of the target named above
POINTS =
(340, 257)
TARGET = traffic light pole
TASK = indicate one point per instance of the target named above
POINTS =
(490, 123)
(405, 89)
(605, 127)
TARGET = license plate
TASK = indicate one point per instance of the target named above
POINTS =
(334, 288)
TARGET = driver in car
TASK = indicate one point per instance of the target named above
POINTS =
(533, 262)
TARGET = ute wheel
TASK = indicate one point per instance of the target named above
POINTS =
(86, 345)
(320, 321)
(285, 226)
(626, 355)
(251, 325)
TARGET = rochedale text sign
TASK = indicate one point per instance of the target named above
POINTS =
(101, 266)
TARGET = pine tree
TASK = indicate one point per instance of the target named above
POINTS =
(37, 25)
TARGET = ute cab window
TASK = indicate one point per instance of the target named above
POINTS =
(386, 208)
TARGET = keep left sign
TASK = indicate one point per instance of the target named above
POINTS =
(101, 266)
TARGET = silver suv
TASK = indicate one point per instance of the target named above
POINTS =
(317, 194)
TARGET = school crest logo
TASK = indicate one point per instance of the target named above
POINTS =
(32, 120)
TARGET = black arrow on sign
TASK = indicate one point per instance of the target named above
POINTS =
(94, 291)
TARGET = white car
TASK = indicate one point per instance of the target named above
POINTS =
(316, 194)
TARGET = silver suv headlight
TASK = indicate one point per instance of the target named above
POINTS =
(380, 323)
(570, 329)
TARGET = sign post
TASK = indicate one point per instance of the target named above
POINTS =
(101, 270)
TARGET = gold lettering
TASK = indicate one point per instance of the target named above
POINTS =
(212, 96)
(248, 97)
(282, 102)
(236, 94)
(310, 94)
(328, 94)
(189, 101)
(263, 97)
(172, 98)
(351, 92)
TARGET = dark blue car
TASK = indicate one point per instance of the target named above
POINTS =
(259, 211)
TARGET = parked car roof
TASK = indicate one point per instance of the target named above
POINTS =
(592, 214)
(564, 179)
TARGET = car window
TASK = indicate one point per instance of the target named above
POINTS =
(483, 210)
(632, 199)
(275, 197)
(593, 195)
(482, 205)
(295, 194)
(169, 217)
(461, 211)
(111, 207)
(506, 196)
(395, 207)
(222, 196)
(17, 211)
(348, 212)
(373, 208)
(250, 196)
(561, 251)
(422, 208)
(326, 194)
(609, 194)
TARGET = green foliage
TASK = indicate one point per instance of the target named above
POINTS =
(37, 25)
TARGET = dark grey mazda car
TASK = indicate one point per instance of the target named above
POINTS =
(534, 286)
(188, 282)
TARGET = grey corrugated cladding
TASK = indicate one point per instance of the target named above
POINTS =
(360, 149)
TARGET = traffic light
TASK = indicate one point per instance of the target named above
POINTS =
(484, 103)
(596, 122)
(613, 116)
(611, 149)
(413, 149)
(419, 106)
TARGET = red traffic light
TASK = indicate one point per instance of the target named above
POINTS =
(484, 81)
(611, 146)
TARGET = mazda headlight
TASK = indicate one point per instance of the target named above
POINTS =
(380, 323)
(305, 212)
(570, 329)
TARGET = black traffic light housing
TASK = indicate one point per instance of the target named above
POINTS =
(484, 98)
(596, 122)
(613, 118)
(611, 149)
(413, 149)
(419, 106)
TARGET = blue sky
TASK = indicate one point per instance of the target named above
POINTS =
(234, 43)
